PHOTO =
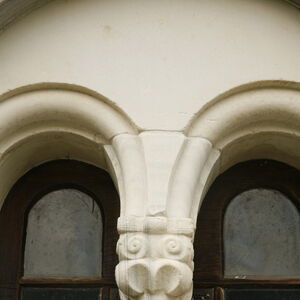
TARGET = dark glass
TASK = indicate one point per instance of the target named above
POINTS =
(262, 235)
(64, 236)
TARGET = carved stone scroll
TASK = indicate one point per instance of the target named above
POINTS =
(160, 177)
(156, 258)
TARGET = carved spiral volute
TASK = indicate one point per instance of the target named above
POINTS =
(132, 246)
(178, 248)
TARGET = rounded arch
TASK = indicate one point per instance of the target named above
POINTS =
(253, 107)
(53, 121)
(259, 120)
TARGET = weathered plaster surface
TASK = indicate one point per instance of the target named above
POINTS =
(211, 82)
(160, 61)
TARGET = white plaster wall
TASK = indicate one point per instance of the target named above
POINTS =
(161, 60)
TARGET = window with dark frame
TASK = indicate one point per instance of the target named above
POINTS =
(238, 245)
(81, 199)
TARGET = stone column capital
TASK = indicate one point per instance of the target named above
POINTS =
(159, 178)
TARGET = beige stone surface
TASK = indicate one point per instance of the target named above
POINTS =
(160, 61)
(165, 94)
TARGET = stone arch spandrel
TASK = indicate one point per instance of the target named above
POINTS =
(55, 121)
(268, 104)
(247, 116)
(253, 121)
(67, 104)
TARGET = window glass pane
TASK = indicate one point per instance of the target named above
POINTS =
(262, 235)
(64, 236)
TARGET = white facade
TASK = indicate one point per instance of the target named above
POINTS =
(165, 95)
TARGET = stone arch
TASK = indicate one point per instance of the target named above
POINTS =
(252, 121)
(54, 121)
(248, 114)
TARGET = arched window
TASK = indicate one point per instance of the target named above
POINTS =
(247, 242)
(58, 233)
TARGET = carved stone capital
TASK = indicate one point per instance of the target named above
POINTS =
(156, 258)
(160, 177)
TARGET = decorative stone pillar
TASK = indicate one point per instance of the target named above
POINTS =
(156, 258)
(160, 178)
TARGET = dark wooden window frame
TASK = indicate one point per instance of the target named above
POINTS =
(26, 192)
(209, 244)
